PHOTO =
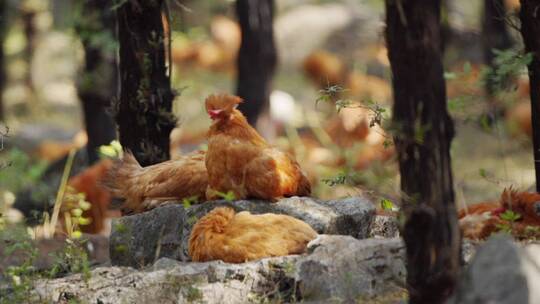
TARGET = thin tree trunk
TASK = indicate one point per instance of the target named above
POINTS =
(424, 131)
(530, 30)
(29, 29)
(144, 111)
(3, 31)
(99, 82)
(257, 56)
(495, 35)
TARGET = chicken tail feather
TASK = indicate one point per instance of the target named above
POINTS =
(119, 178)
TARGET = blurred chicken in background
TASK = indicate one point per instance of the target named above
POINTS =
(217, 53)
(325, 69)
(50, 150)
(90, 183)
(480, 220)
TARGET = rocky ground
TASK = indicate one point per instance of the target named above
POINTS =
(358, 258)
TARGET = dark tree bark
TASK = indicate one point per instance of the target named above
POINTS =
(98, 84)
(495, 34)
(530, 30)
(144, 111)
(27, 15)
(257, 56)
(424, 131)
(3, 30)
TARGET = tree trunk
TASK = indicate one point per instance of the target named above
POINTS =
(530, 30)
(144, 111)
(27, 15)
(3, 31)
(424, 131)
(257, 56)
(98, 84)
(495, 35)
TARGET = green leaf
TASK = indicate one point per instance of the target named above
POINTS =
(387, 204)
(482, 172)
(466, 68)
(229, 196)
(449, 75)
(510, 216)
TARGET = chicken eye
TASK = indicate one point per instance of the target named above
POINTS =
(536, 208)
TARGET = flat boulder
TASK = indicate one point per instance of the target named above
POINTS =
(502, 271)
(141, 239)
(335, 268)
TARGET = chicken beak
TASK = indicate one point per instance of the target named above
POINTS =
(214, 113)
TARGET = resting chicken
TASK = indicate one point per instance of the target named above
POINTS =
(481, 220)
(240, 160)
(144, 188)
(233, 237)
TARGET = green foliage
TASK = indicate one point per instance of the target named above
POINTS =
(339, 179)
(75, 204)
(20, 277)
(229, 196)
(188, 201)
(112, 150)
(193, 293)
(388, 205)
(25, 169)
(508, 64)
(331, 94)
(510, 216)
(71, 259)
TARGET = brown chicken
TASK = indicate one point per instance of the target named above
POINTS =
(144, 188)
(51, 150)
(239, 159)
(366, 86)
(325, 69)
(519, 118)
(349, 126)
(217, 53)
(233, 237)
(89, 182)
(481, 220)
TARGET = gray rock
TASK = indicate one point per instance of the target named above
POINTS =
(345, 269)
(141, 239)
(135, 239)
(501, 272)
(337, 269)
(386, 226)
(213, 282)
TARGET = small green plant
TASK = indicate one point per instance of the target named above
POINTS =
(340, 179)
(331, 94)
(21, 276)
(112, 150)
(74, 206)
(387, 205)
(508, 64)
(510, 217)
(188, 201)
(26, 170)
(193, 293)
(229, 196)
(71, 259)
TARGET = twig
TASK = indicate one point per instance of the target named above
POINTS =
(49, 231)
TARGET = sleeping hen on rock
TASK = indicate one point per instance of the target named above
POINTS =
(240, 160)
(233, 237)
